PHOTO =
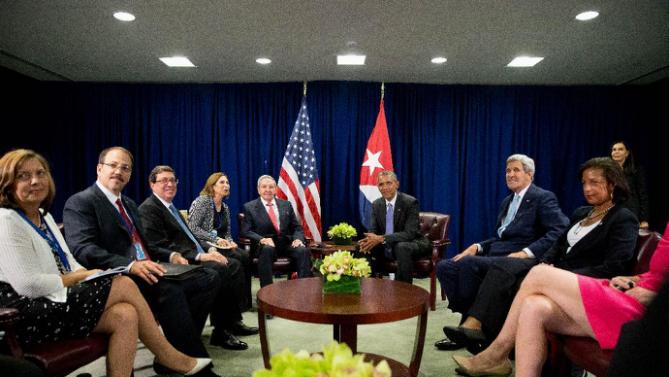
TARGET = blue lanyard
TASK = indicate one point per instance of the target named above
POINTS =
(49, 237)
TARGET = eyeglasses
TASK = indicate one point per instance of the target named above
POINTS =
(124, 168)
(25, 176)
(165, 181)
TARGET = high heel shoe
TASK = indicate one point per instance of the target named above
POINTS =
(503, 369)
(200, 363)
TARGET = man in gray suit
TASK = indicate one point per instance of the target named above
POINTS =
(395, 228)
(528, 224)
(271, 225)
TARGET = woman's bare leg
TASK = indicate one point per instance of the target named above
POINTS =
(124, 290)
(558, 285)
(120, 322)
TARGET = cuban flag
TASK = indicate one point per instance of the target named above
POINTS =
(378, 158)
(298, 181)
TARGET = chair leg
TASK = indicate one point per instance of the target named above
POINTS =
(433, 290)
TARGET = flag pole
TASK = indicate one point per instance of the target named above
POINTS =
(383, 89)
(304, 88)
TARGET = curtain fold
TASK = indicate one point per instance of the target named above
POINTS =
(449, 142)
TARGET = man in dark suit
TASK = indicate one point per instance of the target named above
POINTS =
(167, 231)
(104, 230)
(271, 225)
(529, 222)
(395, 228)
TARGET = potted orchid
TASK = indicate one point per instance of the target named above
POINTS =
(342, 273)
(336, 360)
(342, 233)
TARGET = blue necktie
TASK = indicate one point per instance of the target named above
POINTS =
(390, 217)
(510, 214)
(183, 226)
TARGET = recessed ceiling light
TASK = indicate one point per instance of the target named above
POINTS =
(124, 16)
(525, 61)
(439, 60)
(351, 59)
(263, 61)
(587, 16)
(177, 61)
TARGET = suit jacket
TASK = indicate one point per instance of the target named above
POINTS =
(406, 222)
(257, 224)
(605, 252)
(537, 224)
(96, 234)
(163, 232)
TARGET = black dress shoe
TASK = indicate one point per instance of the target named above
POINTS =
(226, 340)
(447, 345)
(240, 329)
(268, 316)
(463, 335)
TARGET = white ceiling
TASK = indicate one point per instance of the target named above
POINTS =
(79, 40)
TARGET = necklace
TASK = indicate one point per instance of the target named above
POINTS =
(592, 218)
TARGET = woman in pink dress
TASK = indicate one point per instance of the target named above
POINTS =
(562, 302)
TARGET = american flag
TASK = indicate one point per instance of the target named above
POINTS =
(298, 181)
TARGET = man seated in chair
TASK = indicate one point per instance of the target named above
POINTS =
(272, 227)
(528, 224)
(103, 229)
(167, 231)
(395, 228)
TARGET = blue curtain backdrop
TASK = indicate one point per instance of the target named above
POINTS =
(449, 143)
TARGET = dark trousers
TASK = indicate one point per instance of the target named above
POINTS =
(301, 257)
(460, 280)
(244, 257)
(497, 291)
(181, 307)
(227, 306)
(404, 253)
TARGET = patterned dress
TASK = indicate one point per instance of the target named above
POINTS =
(44, 319)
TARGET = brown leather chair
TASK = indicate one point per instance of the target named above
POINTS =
(585, 352)
(58, 358)
(282, 265)
(434, 226)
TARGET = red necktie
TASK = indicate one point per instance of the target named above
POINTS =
(272, 216)
(136, 239)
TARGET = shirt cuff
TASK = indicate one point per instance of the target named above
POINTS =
(529, 252)
(479, 248)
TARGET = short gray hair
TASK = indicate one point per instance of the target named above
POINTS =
(528, 163)
(265, 176)
(390, 173)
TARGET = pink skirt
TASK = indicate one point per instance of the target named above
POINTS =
(607, 309)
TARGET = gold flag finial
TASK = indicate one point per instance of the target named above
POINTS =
(383, 89)
(304, 88)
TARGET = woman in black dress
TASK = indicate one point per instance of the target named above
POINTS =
(637, 202)
(56, 296)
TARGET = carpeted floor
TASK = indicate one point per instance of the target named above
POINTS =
(392, 339)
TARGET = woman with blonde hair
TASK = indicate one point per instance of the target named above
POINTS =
(209, 220)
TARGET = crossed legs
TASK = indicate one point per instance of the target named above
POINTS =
(549, 299)
(126, 317)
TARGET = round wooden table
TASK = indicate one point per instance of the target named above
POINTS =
(380, 301)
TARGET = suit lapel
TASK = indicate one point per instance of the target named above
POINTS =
(112, 211)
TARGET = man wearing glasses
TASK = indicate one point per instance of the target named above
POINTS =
(168, 232)
(103, 229)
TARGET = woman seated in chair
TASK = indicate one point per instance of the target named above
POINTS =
(559, 301)
(41, 279)
(209, 220)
